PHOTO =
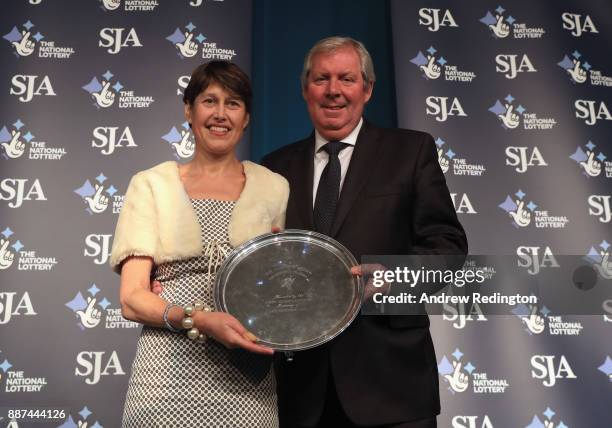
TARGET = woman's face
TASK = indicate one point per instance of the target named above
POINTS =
(217, 119)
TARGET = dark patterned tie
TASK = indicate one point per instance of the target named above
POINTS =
(329, 189)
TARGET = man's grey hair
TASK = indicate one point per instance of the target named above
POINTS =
(331, 44)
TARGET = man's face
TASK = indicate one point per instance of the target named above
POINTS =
(335, 94)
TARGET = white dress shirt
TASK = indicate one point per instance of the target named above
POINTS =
(321, 158)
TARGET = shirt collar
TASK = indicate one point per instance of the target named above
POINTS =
(350, 139)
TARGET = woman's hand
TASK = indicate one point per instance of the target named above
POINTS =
(228, 331)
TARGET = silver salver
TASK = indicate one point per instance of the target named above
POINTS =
(293, 289)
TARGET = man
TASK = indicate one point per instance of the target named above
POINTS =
(377, 191)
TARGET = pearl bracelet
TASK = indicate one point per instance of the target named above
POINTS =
(187, 323)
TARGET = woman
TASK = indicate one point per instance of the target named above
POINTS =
(177, 225)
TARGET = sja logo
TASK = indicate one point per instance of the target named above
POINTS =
(104, 94)
(109, 138)
(578, 24)
(511, 117)
(26, 40)
(549, 421)
(99, 196)
(81, 420)
(462, 204)
(501, 26)
(533, 260)
(460, 166)
(181, 141)
(522, 158)
(599, 206)
(522, 213)
(548, 369)
(460, 313)
(592, 165)
(443, 107)
(591, 111)
(606, 367)
(600, 259)
(97, 246)
(93, 365)
(19, 141)
(433, 19)
(511, 65)
(461, 421)
(188, 44)
(18, 190)
(28, 86)
(458, 376)
(114, 39)
(14, 303)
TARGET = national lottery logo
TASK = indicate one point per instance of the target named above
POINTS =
(19, 140)
(535, 318)
(511, 116)
(606, 367)
(599, 257)
(89, 308)
(16, 380)
(459, 375)
(549, 420)
(129, 5)
(502, 26)
(433, 67)
(14, 252)
(591, 164)
(99, 196)
(104, 94)
(450, 161)
(522, 213)
(188, 45)
(82, 419)
(181, 141)
(579, 70)
(24, 43)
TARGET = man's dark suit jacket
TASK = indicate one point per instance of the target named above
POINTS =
(394, 200)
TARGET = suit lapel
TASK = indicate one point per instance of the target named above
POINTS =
(363, 158)
(301, 173)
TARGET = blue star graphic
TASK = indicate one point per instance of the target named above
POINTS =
(431, 50)
(117, 86)
(200, 38)
(38, 36)
(104, 303)
(7, 232)
(604, 245)
(18, 124)
(439, 142)
(185, 125)
(111, 190)
(442, 61)
(590, 146)
(77, 303)
(108, 75)
(544, 311)
(96, 425)
(510, 20)
(28, 136)
(101, 178)
(509, 98)
(601, 157)
(606, 367)
(5, 365)
(531, 206)
(500, 10)
(520, 109)
(562, 425)
(450, 154)
(520, 194)
(576, 54)
(17, 246)
(85, 412)
(93, 290)
(190, 26)
(457, 354)
(586, 66)
(28, 25)
(469, 367)
(549, 413)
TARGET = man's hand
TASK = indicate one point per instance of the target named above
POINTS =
(185, 147)
(458, 381)
(500, 29)
(534, 322)
(106, 97)
(431, 70)
(98, 202)
(6, 255)
(592, 166)
(368, 270)
(509, 118)
(25, 46)
(521, 216)
(443, 161)
(91, 316)
(578, 74)
(188, 48)
(15, 147)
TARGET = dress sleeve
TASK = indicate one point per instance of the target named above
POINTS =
(137, 229)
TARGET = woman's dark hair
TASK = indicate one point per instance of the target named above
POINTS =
(226, 74)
